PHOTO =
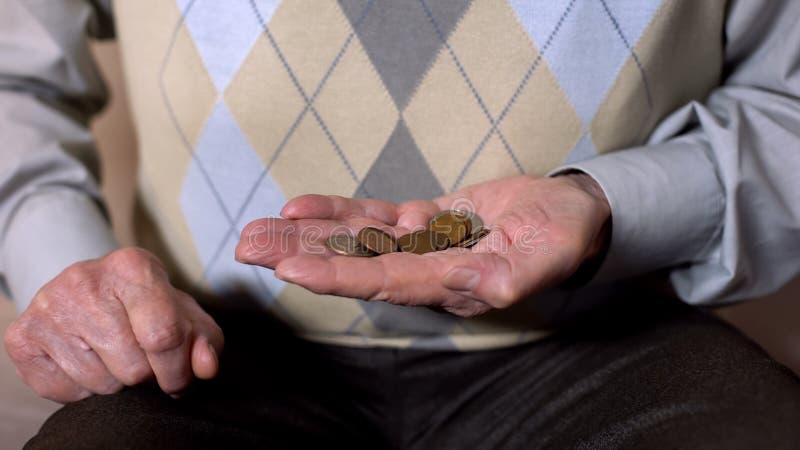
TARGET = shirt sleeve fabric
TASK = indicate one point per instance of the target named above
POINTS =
(51, 213)
(718, 206)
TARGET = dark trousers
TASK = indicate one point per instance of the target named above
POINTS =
(654, 374)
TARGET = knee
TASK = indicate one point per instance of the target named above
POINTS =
(123, 420)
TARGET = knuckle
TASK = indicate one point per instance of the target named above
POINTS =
(97, 379)
(43, 301)
(75, 275)
(134, 263)
(76, 284)
(15, 340)
(129, 256)
(505, 295)
(135, 374)
(109, 386)
(167, 336)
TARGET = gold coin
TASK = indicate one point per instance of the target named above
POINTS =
(423, 241)
(377, 240)
(454, 224)
(473, 238)
(347, 245)
(475, 221)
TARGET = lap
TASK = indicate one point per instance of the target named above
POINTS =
(668, 377)
(273, 390)
(665, 375)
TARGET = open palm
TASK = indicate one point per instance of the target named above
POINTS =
(542, 230)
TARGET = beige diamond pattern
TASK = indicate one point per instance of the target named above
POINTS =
(188, 88)
(360, 115)
(446, 121)
(263, 100)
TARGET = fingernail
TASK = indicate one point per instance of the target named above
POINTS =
(252, 243)
(242, 252)
(288, 271)
(213, 353)
(462, 279)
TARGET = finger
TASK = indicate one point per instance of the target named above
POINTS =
(415, 215)
(115, 344)
(339, 208)
(207, 344)
(483, 196)
(266, 242)
(272, 225)
(76, 359)
(205, 362)
(463, 199)
(45, 377)
(162, 332)
(402, 278)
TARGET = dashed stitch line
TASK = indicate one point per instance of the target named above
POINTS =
(633, 52)
(516, 94)
(308, 106)
(471, 86)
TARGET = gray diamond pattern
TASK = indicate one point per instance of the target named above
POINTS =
(400, 41)
(414, 320)
(400, 173)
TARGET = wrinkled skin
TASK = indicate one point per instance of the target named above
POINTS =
(112, 322)
(542, 231)
(117, 321)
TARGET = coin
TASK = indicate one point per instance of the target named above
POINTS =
(454, 224)
(423, 241)
(474, 220)
(473, 238)
(347, 245)
(476, 223)
(377, 240)
(450, 228)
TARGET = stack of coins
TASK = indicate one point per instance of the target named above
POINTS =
(447, 229)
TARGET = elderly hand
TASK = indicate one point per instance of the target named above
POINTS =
(542, 230)
(112, 322)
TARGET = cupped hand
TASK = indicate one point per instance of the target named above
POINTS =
(542, 231)
(112, 322)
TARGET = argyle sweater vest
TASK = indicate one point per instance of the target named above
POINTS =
(241, 105)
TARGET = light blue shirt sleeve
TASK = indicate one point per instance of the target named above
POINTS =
(719, 206)
(50, 208)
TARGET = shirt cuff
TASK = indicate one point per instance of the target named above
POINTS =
(667, 205)
(49, 232)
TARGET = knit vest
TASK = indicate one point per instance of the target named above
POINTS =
(241, 105)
